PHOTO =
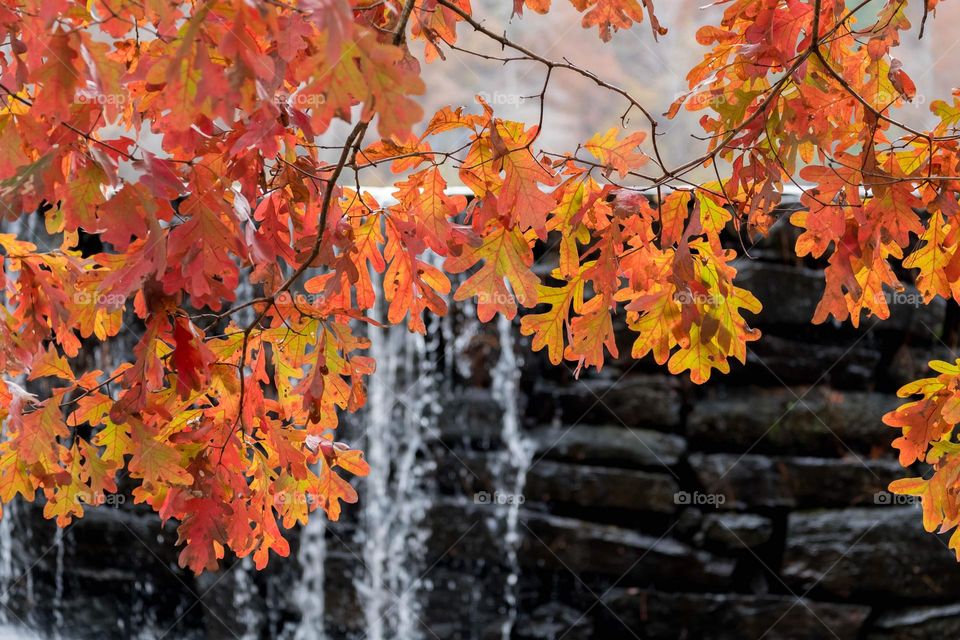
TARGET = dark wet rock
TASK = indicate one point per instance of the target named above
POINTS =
(688, 523)
(341, 602)
(789, 294)
(918, 623)
(736, 530)
(460, 605)
(775, 420)
(582, 548)
(654, 616)
(780, 481)
(865, 553)
(609, 444)
(555, 620)
(650, 401)
(911, 363)
(593, 486)
(567, 483)
(775, 360)
(473, 415)
(466, 532)
(123, 551)
(231, 605)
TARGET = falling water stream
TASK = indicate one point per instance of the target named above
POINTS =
(400, 416)
(7, 571)
(59, 550)
(510, 465)
(309, 595)
(402, 408)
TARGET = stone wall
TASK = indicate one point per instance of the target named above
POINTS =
(753, 506)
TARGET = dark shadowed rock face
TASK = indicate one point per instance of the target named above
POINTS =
(473, 416)
(736, 530)
(801, 290)
(609, 444)
(554, 620)
(919, 623)
(867, 553)
(656, 616)
(780, 481)
(601, 487)
(791, 421)
(564, 543)
(649, 401)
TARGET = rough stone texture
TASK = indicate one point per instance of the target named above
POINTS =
(650, 401)
(554, 620)
(656, 616)
(634, 558)
(462, 605)
(564, 483)
(773, 284)
(472, 416)
(920, 623)
(776, 360)
(775, 420)
(736, 530)
(779, 481)
(599, 487)
(609, 444)
(867, 553)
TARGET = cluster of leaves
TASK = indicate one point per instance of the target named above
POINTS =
(226, 426)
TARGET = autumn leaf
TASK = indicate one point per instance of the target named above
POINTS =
(930, 419)
(550, 327)
(673, 217)
(619, 155)
(191, 357)
(506, 258)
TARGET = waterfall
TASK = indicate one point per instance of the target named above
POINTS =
(143, 617)
(8, 573)
(402, 407)
(510, 465)
(388, 546)
(309, 595)
(244, 600)
(60, 548)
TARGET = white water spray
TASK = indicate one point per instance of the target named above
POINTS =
(309, 595)
(510, 465)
